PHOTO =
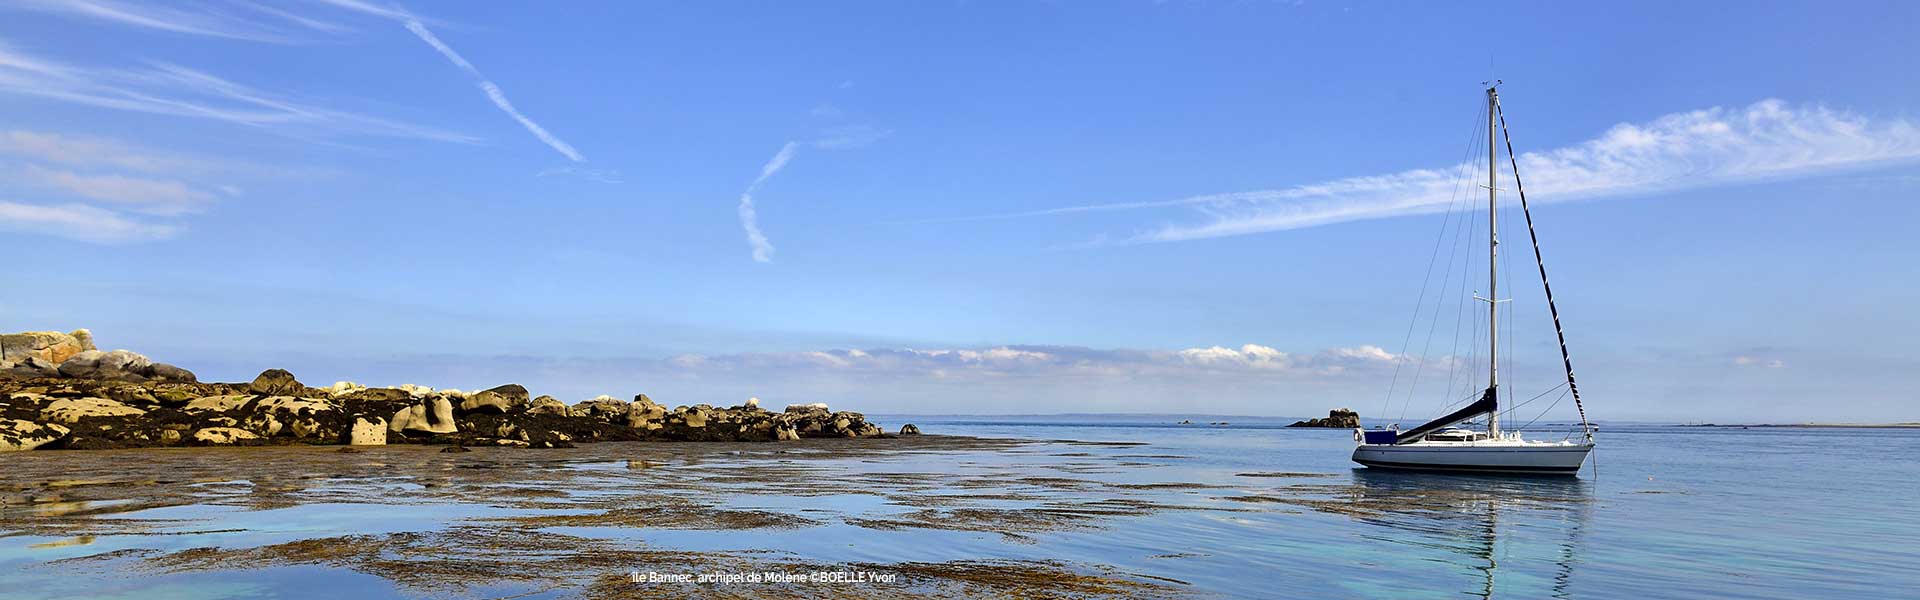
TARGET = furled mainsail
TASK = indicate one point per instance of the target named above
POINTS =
(1488, 402)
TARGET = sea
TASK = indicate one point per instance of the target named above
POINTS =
(1219, 507)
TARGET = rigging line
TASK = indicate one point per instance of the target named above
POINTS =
(1537, 397)
(1565, 357)
(1469, 168)
(1433, 322)
(1556, 402)
(1460, 311)
(1464, 244)
(1414, 319)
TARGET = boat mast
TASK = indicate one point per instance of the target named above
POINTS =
(1493, 253)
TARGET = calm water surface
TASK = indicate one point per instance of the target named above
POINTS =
(1246, 510)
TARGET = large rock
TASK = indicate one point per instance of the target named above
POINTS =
(547, 405)
(16, 434)
(604, 407)
(72, 355)
(71, 410)
(1340, 418)
(29, 367)
(499, 401)
(118, 364)
(167, 372)
(276, 382)
(513, 392)
(367, 432)
(909, 429)
(223, 436)
(52, 347)
(433, 414)
(307, 418)
(643, 414)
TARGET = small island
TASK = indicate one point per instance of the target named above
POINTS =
(57, 391)
(1339, 418)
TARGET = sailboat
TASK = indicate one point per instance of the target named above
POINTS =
(1439, 445)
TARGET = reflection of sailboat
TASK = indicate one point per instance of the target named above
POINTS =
(1463, 516)
(1438, 445)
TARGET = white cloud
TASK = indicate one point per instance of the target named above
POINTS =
(79, 222)
(749, 218)
(97, 152)
(1767, 139)
(179, 91)
(1001, 361)
(151, 196)
(1758, 362)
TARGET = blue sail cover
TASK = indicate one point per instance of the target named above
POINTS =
(1382, 436)
(1488, 402)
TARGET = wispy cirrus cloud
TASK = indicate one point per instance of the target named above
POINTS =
(1714, 146)
(105, 190)
(166, 89)
(749, 217)
(80, 222)
(98, 152)
(206, 20)
(138, 194)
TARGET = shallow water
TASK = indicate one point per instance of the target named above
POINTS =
(1246, 510)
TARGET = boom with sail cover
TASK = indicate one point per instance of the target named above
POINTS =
(1488, 403)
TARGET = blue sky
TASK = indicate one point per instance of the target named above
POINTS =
(970, 207)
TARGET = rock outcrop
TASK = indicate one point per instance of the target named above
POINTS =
(51, 354)
(547, 405)
(366, 432)
(91, 399)
(51, 347)
(1341, 418)
(276, 382)
(223, 436)
(433, 414)
(20, 434)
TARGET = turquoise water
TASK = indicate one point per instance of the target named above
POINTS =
(1672, 512)
(1247, 510)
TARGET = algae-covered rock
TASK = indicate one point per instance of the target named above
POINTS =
(18, 434)
(433, 414)
(276, 382)
(547, 405)
(223, 436)
(71, 410)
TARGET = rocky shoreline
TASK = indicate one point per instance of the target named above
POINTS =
(59, 392)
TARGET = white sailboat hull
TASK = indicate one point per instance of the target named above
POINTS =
(1534, 458)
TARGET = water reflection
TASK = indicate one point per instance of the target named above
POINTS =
(1462, 515)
